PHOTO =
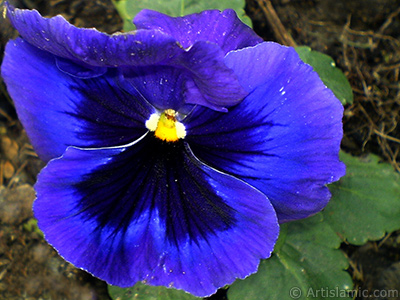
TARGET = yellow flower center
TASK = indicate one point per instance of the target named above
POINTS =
(166, 127)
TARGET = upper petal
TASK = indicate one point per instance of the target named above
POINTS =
(284, 138)
(202, 75)
(151, 211)
(222, 28)
(212, 84)
(208, 76)
(59, 110)
(91, 46)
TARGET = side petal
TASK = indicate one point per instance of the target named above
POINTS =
(222, 28)
(59, 110)
(283, 139)
(152, 212)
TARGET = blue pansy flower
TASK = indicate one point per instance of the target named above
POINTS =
(174, 151)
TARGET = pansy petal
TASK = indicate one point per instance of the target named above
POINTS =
(202, 76)
(209, 77)
(283, 139)
(151, 211)
(91, 46)
(59, 110)
(212, 83)
(78, 69)
(161, 86)
(222, 28)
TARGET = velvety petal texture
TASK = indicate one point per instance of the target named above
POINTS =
(93, 47)
(283, 139)
(66, 110)
(138, 48)
(151, 211)
(173, 151)
(222, 28)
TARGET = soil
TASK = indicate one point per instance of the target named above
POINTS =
(363, 37)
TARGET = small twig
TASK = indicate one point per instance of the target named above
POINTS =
(5, 115)
(388, 21)
(363, 82)
(372, 125)
(384, 240)
(388, 68)
(15, 177)
(385, 136)
(282, 35)
(1, 172)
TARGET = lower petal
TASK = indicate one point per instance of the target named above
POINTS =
(151, 211)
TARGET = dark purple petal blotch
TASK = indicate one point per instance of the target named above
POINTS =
(173, 152)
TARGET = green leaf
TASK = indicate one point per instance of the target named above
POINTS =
(128, 9)
(333, 77)
(32, 226)
(366, 202)
(146, 292)
(120, 5)
(308, 263)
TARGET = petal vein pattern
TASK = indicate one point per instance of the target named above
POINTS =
(283, 139)
(139, 48)
(231, 136)
(85, 113)
(153, 212)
